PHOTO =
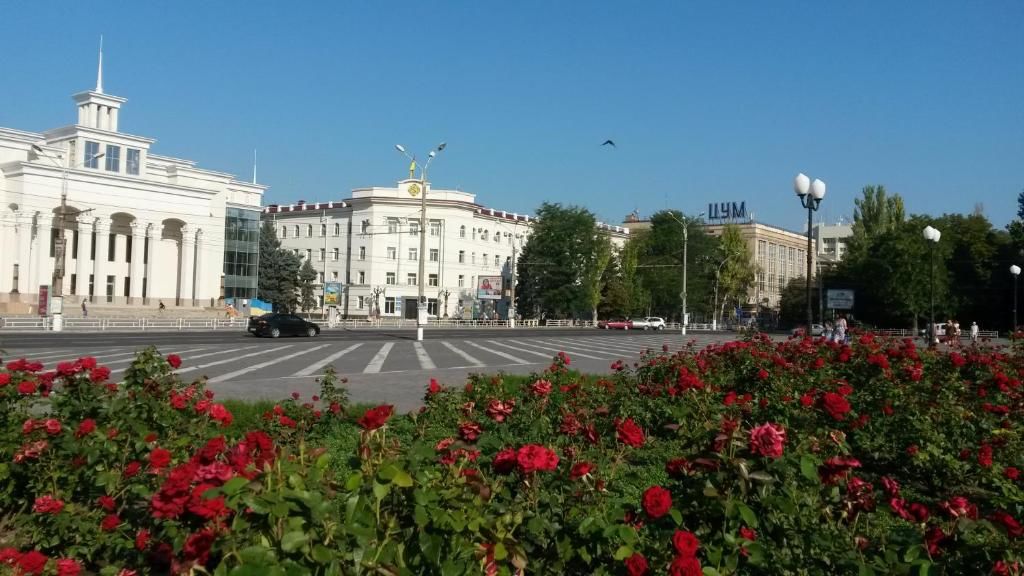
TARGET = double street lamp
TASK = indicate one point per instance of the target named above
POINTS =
(932, 235)
(810, 194)
(1015, 270)
(421, 307)
(686, 260)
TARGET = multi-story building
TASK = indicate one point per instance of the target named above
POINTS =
(139, 228)
(830, 241)
(370, 244)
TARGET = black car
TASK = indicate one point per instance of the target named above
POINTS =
(277, 325)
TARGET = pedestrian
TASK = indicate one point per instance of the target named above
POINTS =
(162, 305)
(827, 333)
(85, 311)
(956, 332)
(840, 335)
(974, 332)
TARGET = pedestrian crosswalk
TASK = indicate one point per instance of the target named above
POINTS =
(241, 361)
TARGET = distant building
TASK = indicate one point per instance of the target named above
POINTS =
(830, 241)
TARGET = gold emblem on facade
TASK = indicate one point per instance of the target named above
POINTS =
(414, 189)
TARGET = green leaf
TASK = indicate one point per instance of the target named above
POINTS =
(321, 554)
(500, 552)
(402, 479)
(623, 552)
(809, 468)
(233, 486)
(748, 515)
(387, 472)
(676, 516)
(381, 490)
(292, 541)
(354, 481)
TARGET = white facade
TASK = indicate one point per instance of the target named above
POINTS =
(830, 241)
(370, 243)
(139, 227)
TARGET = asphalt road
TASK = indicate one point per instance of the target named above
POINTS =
(382, 365)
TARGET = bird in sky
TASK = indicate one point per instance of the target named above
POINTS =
(607, 142)
(441, 146)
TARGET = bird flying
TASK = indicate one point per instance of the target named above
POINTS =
(607, 142)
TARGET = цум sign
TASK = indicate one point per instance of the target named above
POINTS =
(839, 299)
(727, 211)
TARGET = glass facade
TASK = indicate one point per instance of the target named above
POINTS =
(241, 252)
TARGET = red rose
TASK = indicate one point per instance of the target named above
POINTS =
(5, 378)
(52, 426)
(174, 360)
(159, 458)
(27, 387)
(107, 503)
(531, 458)
(985, 456)
(142, 540)
(1011, 473)
(32, 563)
(85, 428)
(685, 566)
(286, 421)
(835, 405)
(434, 387)
(197, 546)
(959, 507)
(685, 543)
(748, 534)
(762, 374)
(1013, 528)
(504, 461)
(580, 469)
(99, 374)
(500, 410)
(132, 469)
(657, 501)
(9, 556)
(469, 431)
(47, 505)
(68, 567)
(221, 414)
(767, 440)
(540, 388)
(110, 523)
(629, 433)
(376, 417)
(636, 565)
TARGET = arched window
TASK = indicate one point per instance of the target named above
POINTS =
(483, 235)
(462, 231)
(323, 230)
(284, 231)
(296, 230)
(309, 230)
(337, 229)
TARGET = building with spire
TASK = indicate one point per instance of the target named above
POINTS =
(139, 228)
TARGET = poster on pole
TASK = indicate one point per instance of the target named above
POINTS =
(332, 292)
(489, 288)
(839, 299)
(44, 300)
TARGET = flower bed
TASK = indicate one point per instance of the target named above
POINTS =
(751, 457)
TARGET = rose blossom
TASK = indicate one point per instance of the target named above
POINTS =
(174, 360)
(110, 523)
(767, 440)
(580, 469)
(657, 501)
(636, 565)
(504, 461)
(68, 567)
(47, 505)
(540, 388)
(685, 543)
(532, 457)
(629, 433)
(32, 563)
(836, 406)
(376, 417)
(685, 566)
(159, 458)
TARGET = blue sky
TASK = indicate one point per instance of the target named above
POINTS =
(707, 101)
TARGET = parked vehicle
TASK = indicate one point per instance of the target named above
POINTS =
(617, 324)
(648, 323)
(816, 330)
(277, 325)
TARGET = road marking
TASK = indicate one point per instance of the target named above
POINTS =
(544, 355)
(217, 352)
(233, 359)
(462, 354)
(321, 363)
(255, 367)
(497, 353)
(421, 354)
(556, 348)
(378, 360)
(129, 360)
(597, 347)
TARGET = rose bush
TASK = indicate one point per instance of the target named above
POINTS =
(796, 457)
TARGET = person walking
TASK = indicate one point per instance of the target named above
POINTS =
(840, 335)
(85, 311)
(974, 332)
(162, 305)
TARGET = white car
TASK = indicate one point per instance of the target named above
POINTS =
(655, 323)
(816, 330)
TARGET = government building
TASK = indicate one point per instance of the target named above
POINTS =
(369, 244)
(140, 228)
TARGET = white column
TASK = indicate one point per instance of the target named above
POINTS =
(24, 256)
(100, 265)
(187, 272)
(9, 240)
(113, 120)
(119, 267)
(82, 264)
(153, 232)
(135, 271)
(199, 290)
(42, 262)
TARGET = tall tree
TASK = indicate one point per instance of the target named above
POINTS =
(661, 263)
(737, 267)
(278, 271)
(875, 213)
(307, 278)
(593, 276)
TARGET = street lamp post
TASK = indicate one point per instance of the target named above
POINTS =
(1015, 270)
(810, 194)
(686, 260)
(932, 236)
(57, 289)
(714, 312)
(421, 306)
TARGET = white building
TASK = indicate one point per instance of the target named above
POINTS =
(830, 241)
(370, 244)
(139, 227)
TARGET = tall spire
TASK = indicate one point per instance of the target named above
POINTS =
(99, 71)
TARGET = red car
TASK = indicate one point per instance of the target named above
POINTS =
(620, 324)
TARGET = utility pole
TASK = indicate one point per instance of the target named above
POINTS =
(686, 260)
(512, 289)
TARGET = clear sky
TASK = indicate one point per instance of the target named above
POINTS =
(707, 101)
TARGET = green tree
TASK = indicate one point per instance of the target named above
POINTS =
(307, 278)
(737, 268)
(875, 213)
(278, 271)
(661, 263)
(793, 304)
(593, 275)
(555, 263)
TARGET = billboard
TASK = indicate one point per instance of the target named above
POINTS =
(839, 299)
(332, 293)
(488, 288)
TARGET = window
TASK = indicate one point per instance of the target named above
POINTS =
(390, 278)
(92, 150)
(432, 280)
(361, 302)
(462, 231)
(389, 304)
(284, 231)
(337, 229)
(113, 158)
(473, 258)
(320, 277)
(497, 237)
(361, 275)
(362, 252)
(392, 225)
(462, 256)
(484, 261)
(323, 254)
(334, 276)
(413, 253)
(111, 247)
(309, 230)
(392, 253)
(462, 281)
(309, 253)
(414, 227)
(410, 279)
(323, 230)
(295, 229)
(131, 164)
(474, 233)
(483, 235)
(432, 306)
(435, 228)
(336, 254)
(435, 255)
(497, 261)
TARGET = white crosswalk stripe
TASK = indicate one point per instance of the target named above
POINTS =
(324, 362)
(554, 348)
(261, 365)
(232, 359)
(378, 360)
(463, 354)
(132, 359)
(504, 355)
(635, 348)
(597, 347)
(421, 354)
(543, 355)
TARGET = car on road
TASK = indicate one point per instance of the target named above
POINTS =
(648, 323)
(816, 330)
(277, 325)
(615, 324)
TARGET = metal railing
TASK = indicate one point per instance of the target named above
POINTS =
(38, 323)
